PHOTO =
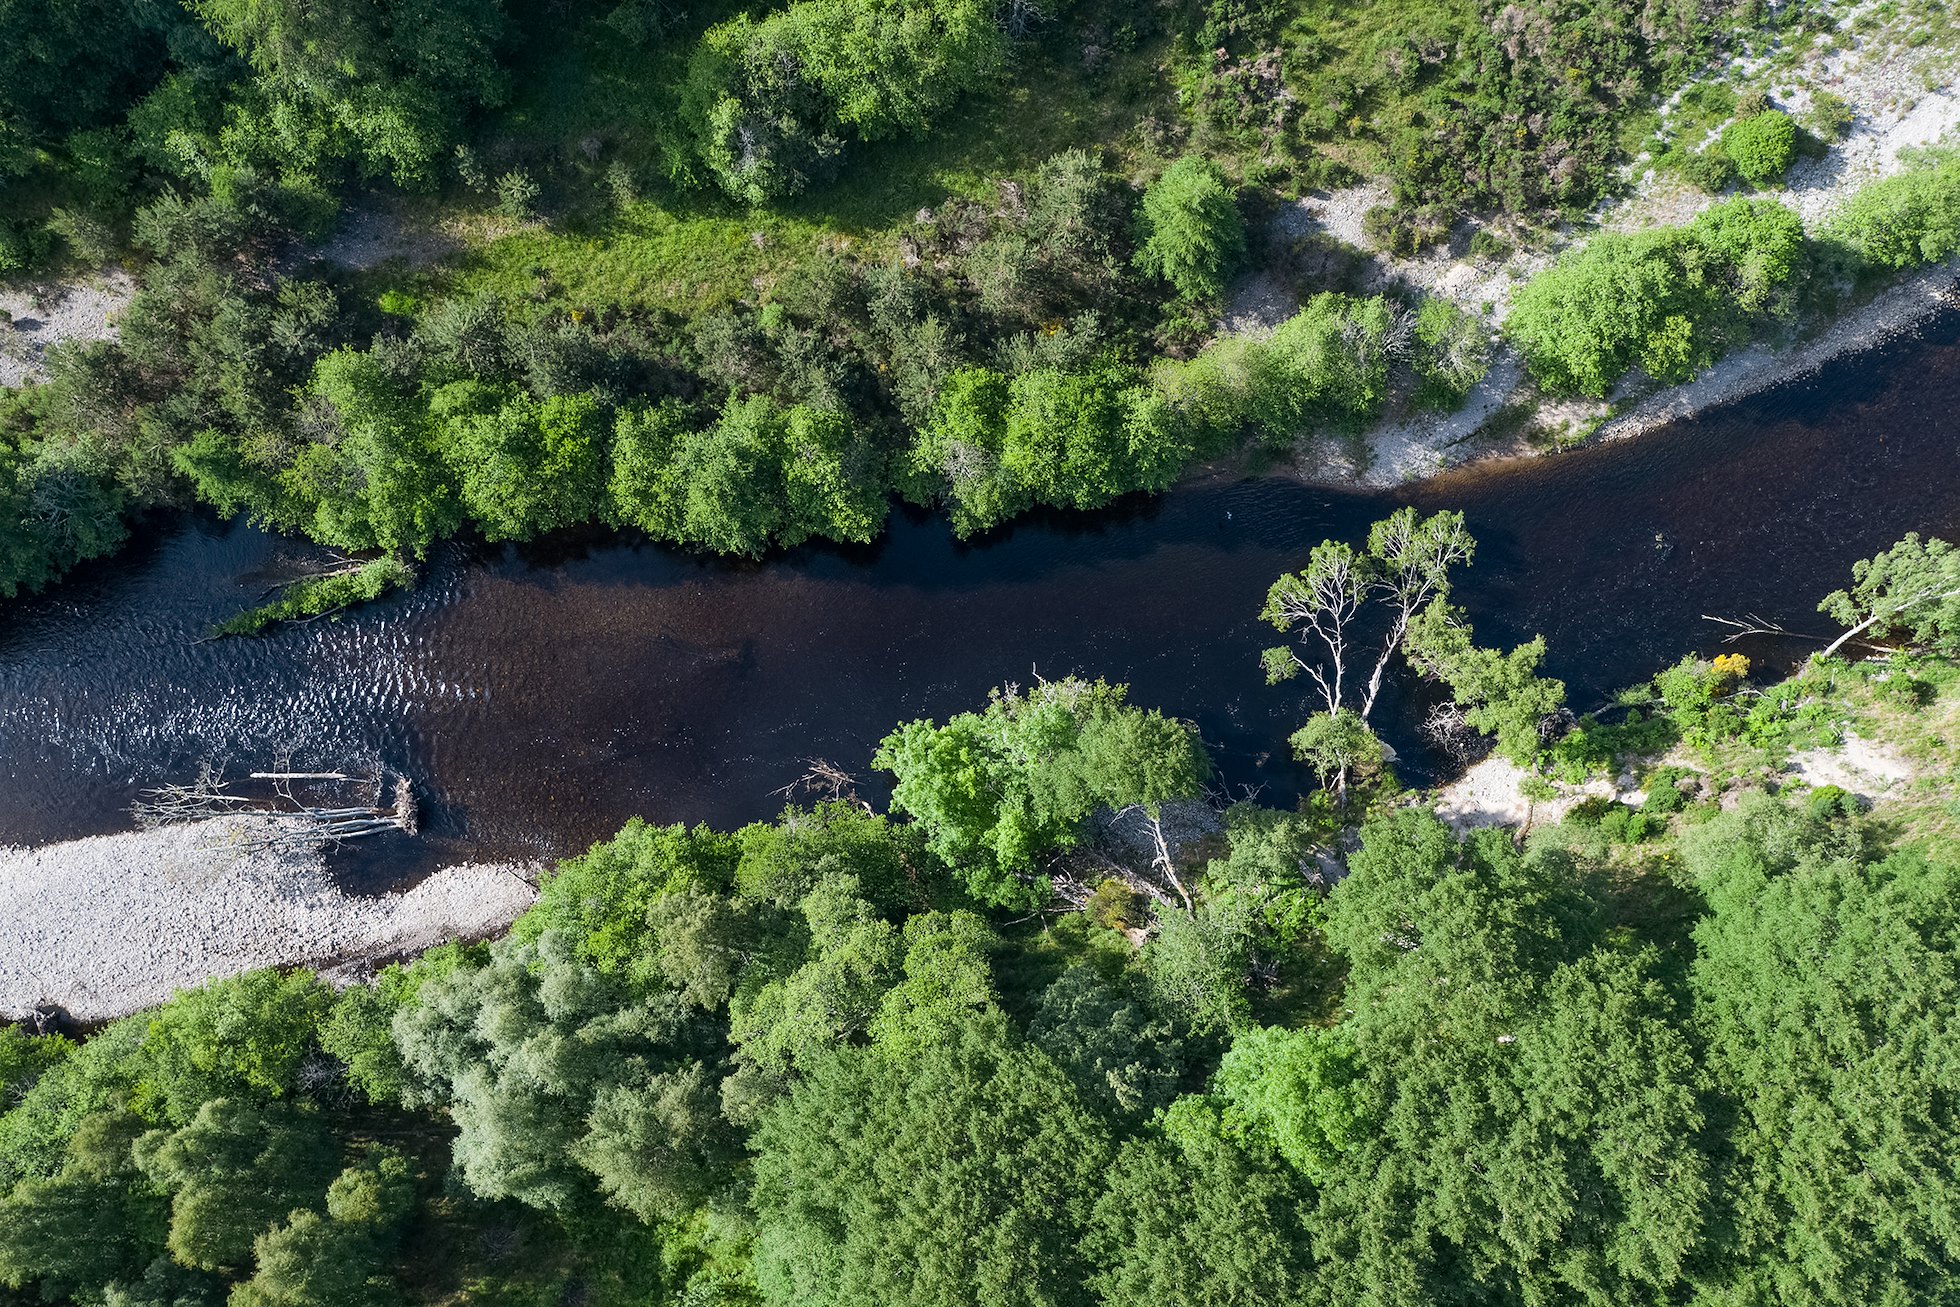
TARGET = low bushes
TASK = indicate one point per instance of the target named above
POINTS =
(1669, 301)
(1909, 219)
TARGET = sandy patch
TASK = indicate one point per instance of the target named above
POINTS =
(1491, 793)
(1863, 767)
(107, 926)
(40, 317)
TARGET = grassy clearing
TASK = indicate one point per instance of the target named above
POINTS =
(594, 121)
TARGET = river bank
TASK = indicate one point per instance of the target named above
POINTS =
(1898, 95)
(98, 928)
(1502, 419)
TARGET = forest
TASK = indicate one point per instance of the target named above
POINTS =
(1034, 1035)
(739, 280)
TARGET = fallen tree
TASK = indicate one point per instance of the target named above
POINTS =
(290, 811)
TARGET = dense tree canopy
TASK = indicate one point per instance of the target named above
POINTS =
(816, 1060)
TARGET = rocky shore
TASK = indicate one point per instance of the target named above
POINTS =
(102, 927)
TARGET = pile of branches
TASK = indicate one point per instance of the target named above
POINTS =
(292, 808)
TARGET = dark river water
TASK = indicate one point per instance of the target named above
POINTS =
(540, 696)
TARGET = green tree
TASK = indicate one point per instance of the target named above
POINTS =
(769, 102)
(1200, 967)
(387, 84)
(1124, 1057)
(602, 900)
(1192, 234)
(1064, 436)
(359, 1029)
(964, 1174)
(23, 1059)
(660, 1148)
(1670, 301)
(645, 488)
(376, 481)
(1907, 219)
(91, 1222)
(788, 1024)
(1296, 1093)
(243, 1038)
(524, 1050)
(962, 446)
(1823, 982)
(783, 860)
(994, 790)
(524, 466)
(833, 482)
(1909, 593)
(68, 64)
(234, 1171)
(1338, 746)
(335, 1259)
(732, 477)
(1194, 1218)
(947, 981)
(1535, 1120)
(1499, 693)
(1269, 860)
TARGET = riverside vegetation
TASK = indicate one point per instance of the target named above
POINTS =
(738, 280)
(1032, 1037)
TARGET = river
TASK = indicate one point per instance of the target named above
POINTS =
(541, 695)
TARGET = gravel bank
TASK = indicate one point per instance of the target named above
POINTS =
(107, 926)
(38, 318)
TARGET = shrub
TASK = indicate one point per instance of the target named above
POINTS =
(1452, 352)
(1710, 170)
(1762, 145)
(1403, 231)
(1487, 244)
(517, 195)
(1829, 117)
(1664, 794)
(1832, 803)
(1909, 219)
(1193, 236)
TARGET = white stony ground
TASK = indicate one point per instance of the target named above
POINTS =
(38, 317)
(1491, 793)
(1864, 767)
(106, 926)
(1899, 104)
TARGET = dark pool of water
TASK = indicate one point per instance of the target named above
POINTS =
(540, 696)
